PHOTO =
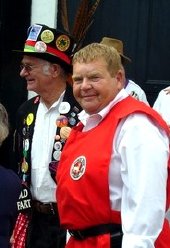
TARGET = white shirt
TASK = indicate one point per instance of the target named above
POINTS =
(137, 175)
(136, 91)
(43, 187)
(162, 105)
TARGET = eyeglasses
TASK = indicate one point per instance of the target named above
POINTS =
(27, 67)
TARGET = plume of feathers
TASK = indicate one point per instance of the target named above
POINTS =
(64, 15)
(82, 21)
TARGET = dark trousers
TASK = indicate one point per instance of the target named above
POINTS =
(44, 232)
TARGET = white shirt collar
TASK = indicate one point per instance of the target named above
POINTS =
(84, 117)
(56, 103)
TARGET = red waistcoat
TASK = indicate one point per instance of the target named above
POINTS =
(83, 186)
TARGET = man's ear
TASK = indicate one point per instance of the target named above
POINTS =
(120, 76)
(57, 70)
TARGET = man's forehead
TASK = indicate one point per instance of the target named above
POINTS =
(28, 58)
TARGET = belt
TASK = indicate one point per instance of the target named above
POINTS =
(45, 208)
(114, 229)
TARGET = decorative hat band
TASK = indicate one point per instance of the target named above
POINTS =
(41, 47)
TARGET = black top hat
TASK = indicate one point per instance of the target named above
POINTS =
(49, 44)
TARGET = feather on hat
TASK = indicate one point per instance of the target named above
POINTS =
(82, 21)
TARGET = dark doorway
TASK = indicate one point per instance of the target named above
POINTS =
(144, 27)
(14, 19)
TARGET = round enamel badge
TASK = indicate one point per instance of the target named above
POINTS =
(24, 167)
(57, 155)
(64, 108)
(29, 119)
(57, 146)
(61, 121)
(78, 168)
(26, 144)
(63, 43)
(40, 47)
(47, 36)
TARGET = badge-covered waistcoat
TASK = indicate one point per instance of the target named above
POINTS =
(26, 117)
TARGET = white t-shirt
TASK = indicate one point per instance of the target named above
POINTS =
(136, 91)
(162, 105)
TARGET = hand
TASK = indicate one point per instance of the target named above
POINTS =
(65, 132)
(12, 239)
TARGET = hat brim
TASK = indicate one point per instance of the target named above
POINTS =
(125, 59)
(48, 57)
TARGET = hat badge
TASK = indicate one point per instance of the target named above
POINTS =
(63, 43)
(40, 47)
(47, 36)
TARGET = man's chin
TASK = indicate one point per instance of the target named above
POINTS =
(29, 88)
(90, 110)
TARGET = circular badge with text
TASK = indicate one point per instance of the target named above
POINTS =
(78, 168)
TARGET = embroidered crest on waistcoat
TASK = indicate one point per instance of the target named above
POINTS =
(78, 168)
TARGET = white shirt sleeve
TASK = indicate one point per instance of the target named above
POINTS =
(141, 153)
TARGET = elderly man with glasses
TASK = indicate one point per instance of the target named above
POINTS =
(45, 65)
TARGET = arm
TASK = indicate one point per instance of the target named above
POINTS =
(143, 150)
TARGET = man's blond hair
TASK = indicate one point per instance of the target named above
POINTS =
(97, 51)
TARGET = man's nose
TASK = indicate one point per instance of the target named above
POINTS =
(86, 84)
(23, 72)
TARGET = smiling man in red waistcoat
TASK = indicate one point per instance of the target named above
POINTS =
(112, 176)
